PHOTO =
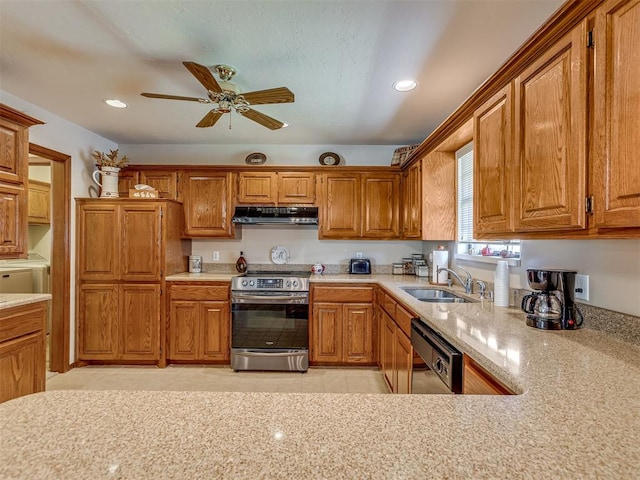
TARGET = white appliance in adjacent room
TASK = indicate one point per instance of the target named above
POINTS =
(16, 280)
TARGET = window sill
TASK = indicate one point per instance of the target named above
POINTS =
(513, 262)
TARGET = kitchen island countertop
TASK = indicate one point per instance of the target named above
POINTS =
(577, 416)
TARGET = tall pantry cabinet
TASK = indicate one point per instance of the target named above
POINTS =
(125, 249)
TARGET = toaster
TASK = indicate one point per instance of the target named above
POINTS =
(360, 266)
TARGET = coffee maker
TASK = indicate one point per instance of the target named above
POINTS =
(551, 306)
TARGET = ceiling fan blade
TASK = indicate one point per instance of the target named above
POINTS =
(209, 119)
(272, 95)
(174, 97)
(204, 76)
(263, 119)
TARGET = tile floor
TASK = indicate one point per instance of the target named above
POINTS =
(219, 379)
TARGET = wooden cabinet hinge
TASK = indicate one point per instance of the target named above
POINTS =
(588, 205)
(590, 41)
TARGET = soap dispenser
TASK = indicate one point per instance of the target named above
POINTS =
(241, 263)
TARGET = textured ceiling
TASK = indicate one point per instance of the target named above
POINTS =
(340, 58)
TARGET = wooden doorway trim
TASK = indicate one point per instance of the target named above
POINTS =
(60, 262)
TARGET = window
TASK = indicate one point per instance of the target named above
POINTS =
(467, 247)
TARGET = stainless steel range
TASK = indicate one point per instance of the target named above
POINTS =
(270, 321)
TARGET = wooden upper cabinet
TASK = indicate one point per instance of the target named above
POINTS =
(39, 202)
(271, 188)
(411, 184)
(380, 203)
(14, 144)
(208, 205)
(493, 165)
(340, 214)
(98, 249)
(13, 221)
(165, 181)
(296, 188)
(127, 180)
(550, 138)
(257, 188)
(439, 196)
(141, 234)
(616, 172)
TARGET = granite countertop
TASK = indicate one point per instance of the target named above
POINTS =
(9, 300)
(576, 417)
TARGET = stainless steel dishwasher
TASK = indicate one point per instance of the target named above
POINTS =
(443, 370)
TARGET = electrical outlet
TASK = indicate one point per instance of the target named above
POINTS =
(358, 254)
(216, 255)
(582, 287)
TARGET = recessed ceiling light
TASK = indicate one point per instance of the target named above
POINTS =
(115, 103)
(404, 85)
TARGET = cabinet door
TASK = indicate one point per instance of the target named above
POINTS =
(439, 187)
(493, 164)
(388, 352)
(208, 205)
(14, 146)
(358, 333)
(127, 180)
(257, 188)
(98, 313)
(183, 330)
(550, 145)
(141, 231)
(326, 332)
(412, 202)
(140, 322)
(381, 195)
(616, 173)
(98, 232)
(22, 366)
(39, 202)
(340, 211)
(13, 225)
(164, 181)
(403, 363)
(214, 330)
(296, 188)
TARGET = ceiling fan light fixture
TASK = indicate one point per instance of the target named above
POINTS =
(224, 106)
(404, 85)
(285, 125)
(115, 103)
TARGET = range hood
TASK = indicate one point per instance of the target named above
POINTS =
(276, 215)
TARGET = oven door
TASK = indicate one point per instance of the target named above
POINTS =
(270, 331)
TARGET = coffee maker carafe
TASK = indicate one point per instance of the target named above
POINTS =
(551, 306)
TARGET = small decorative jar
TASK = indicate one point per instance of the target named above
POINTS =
(317, 268)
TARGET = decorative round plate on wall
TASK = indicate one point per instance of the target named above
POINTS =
(255, 158)
(329, 158)
(280, 255)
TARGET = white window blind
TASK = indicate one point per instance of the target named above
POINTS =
(464, 157)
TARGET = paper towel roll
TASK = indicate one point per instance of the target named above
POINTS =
(440, 259)
(501, 284)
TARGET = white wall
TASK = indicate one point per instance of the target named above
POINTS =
(613, 267)
(63, 136)
(256, 241)
(350, 155)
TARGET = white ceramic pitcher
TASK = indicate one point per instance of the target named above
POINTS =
(109, 184)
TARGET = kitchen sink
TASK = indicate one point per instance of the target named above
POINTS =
(435, 295)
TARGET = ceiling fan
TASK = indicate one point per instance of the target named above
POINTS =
(227, 97)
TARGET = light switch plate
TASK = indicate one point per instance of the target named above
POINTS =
(582, 287)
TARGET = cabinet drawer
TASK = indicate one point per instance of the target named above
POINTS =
(343, 294)
(22, 320)
(403, 319)
(389, 305)
(199, 292)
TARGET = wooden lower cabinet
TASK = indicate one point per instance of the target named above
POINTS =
(199, 323)
(119, 322)
(22, 350)
(396, 353)
(477, 381)
(342, 329)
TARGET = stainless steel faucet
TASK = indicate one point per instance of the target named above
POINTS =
(467, 284)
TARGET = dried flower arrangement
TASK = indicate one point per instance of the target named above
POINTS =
(110, 160)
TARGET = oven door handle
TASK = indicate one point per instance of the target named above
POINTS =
(269, 354)
(244, 296)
